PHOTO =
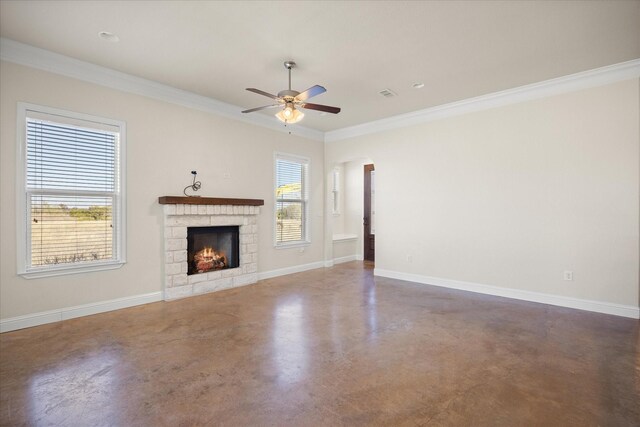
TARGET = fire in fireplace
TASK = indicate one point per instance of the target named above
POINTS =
(212, 248)
(208, 259)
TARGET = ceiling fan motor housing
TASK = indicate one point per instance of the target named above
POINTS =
(288, 95)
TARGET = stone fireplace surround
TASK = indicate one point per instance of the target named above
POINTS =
(183, 212)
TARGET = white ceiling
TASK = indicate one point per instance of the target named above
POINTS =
(458, 49)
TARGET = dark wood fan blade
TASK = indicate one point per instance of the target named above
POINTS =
(318, 107)
(261, 108)
(261, 92)
(312, 91)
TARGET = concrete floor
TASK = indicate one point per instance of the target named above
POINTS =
(326, 347)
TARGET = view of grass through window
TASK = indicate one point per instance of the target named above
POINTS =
(70, 230)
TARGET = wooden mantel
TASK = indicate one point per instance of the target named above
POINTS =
(182, 200)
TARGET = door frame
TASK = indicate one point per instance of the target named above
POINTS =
(367, 237)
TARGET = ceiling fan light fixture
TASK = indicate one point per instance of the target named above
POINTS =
(289, 114)
(292, 98)
(288, 111)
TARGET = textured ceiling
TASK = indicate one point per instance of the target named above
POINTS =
(458, 49)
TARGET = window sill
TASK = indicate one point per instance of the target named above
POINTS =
(64, 270)
(292, 245)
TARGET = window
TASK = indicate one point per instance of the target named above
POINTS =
(71, 172)
(291, 206)
(335, 191)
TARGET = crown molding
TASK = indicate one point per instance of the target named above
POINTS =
(42, 59)
(583, 80)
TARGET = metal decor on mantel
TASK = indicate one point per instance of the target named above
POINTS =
(195, 185)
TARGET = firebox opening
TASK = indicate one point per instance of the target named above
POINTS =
(212, 248)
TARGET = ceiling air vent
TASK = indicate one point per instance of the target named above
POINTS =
(387, 93)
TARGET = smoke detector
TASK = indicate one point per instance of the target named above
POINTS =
(108, 36)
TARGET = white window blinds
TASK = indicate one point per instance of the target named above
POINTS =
(291, 200)
(72, 192)
(70, 158)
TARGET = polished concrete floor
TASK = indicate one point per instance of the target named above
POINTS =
(326, 347)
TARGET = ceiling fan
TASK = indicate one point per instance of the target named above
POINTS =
(290, 99)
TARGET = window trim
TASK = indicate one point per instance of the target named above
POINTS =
(335, 191)
(23, 229)
(306, 240)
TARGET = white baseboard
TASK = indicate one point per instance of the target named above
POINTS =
(290, 270)
(29, 320)
(558, 300)
(344, 259)
(35, 319)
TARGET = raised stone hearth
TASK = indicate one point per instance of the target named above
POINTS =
(183, 212)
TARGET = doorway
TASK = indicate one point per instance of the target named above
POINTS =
(369, 220)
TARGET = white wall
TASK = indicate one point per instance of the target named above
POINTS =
(513, 196)
(164, 143)
(349, 221)
(354, 201)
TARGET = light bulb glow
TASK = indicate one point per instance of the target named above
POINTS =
(289, 114)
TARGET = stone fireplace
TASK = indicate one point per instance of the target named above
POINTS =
(217, 260)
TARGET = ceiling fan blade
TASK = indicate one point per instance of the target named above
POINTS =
(261, 108)
(318, 107)
(261, 92)
(312, 91)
